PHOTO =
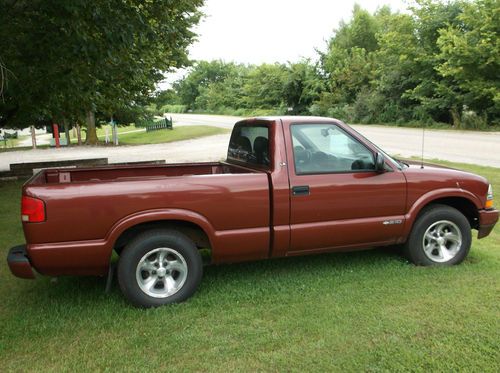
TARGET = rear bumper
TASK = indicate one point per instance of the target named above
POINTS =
(19, 263)
(487, 221)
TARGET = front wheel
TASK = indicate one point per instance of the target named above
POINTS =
(441, 236)
(159, 267)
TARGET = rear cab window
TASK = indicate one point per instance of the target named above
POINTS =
(249, 145)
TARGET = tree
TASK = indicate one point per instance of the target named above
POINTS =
(438, 63)
(264, 87)
(302, 87)
(199, 78)
(397, 68)
(430, 18)
(74, 58)
(469, 59)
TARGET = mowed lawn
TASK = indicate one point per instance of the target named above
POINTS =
(131, 135)
(364, 311)
(165, 135)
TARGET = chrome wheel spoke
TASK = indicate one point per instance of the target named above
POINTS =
(450, 236)
(176, 266)
(429, 248)
(161, 257)
(429, 236)
(170, 283)
(440, 229)
(150, 282)
(441, 252)
(148, 266)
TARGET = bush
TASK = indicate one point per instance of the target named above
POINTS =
(151, 109)
(173, 109)
(469, 120)
(368, 106)
(344, 112)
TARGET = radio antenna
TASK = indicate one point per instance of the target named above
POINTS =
(423, 142)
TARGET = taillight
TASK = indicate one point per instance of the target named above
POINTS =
(32, 210)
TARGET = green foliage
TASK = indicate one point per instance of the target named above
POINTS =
(438, 64)
(70, 58)
(264, 87)
(200, 80)
(173, 109)
(303, 86)
(229, 88)
(469, 59)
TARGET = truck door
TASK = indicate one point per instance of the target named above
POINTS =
(337, 199)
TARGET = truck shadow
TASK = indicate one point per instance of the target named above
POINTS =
(83, 292)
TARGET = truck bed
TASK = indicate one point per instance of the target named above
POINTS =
(134, 172)
(94, 199)
(84, 206)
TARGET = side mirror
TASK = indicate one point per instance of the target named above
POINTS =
(379, 162)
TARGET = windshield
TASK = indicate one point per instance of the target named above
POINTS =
(395, 162)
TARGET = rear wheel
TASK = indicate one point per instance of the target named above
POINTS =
(159, 267)
(441, 236)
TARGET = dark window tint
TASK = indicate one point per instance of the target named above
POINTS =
(249, 144)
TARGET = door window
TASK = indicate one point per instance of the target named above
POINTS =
(325, 148)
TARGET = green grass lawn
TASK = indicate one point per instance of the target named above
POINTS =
(101, 132)
(8, 144)
(177, 134)
(364, 311)
(140, 136)
(130, 135)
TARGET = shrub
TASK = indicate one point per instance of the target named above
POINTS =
(469, 120)
(173, 109)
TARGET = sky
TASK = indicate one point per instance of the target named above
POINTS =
(258, 31)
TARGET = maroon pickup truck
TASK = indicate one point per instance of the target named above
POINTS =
(289, 186)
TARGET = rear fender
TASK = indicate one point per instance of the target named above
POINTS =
(157, 215)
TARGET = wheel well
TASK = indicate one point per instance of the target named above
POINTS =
(191, 230)
(465, 206)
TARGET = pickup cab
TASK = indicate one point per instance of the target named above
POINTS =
(289, 186)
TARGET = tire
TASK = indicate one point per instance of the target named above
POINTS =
(159, 267)
(441, 236)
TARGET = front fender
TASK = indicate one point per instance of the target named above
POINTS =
(434, 195)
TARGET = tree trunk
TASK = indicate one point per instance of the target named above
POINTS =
(455, 117)
(78, 133)
(91, 130)
(33, 137)
(66, 132)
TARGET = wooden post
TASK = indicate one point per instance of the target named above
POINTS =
(78, 133)
(33, 137)
(55, 127)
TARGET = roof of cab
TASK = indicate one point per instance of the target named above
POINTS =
(290, 118)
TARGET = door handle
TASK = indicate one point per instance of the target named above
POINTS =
(302, 190)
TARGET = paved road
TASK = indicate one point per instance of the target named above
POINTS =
(482, 148)
(212, 148)
(224, 121)
(468, 147)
